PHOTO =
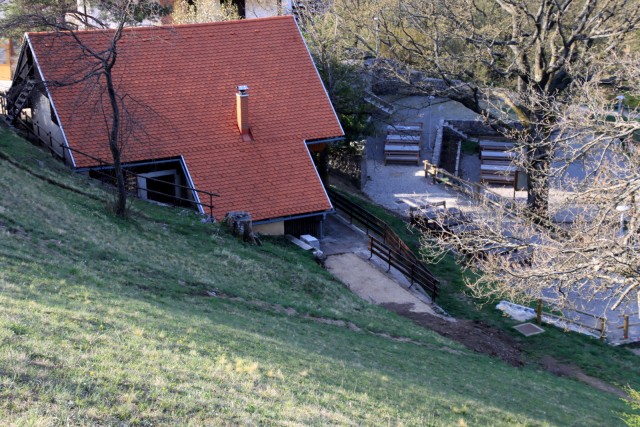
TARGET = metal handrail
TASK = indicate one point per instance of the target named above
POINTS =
(390, 240)
(411, 268)
(34, 128)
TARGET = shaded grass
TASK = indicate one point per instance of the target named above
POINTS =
(108, 321)
(470, 147)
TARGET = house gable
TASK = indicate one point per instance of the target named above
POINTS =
(181, 82)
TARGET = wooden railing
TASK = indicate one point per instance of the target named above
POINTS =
(482, 194)
(369, 221)
(599, 323)
(389, 246)
(3, 103)
(626, 324)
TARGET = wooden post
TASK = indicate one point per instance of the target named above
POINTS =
(389, 255)
(602, 328)
(412, 268)
(539, 312)
(625, 327)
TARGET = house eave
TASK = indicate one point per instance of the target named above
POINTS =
(292, 217)
(53, 106)
(324, 140)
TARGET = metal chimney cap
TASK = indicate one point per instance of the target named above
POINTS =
(242, 89)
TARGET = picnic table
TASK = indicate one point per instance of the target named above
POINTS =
(437, 218)
(402, 144)
(498, 174)
(401, 153)
(405, 128)
(498, 168)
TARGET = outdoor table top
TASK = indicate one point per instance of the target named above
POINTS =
(498, 154)
(405, 126)
(488, 143)
(403, 137)
(498, 168)
(393, 147)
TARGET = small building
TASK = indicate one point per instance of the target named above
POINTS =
(236, 108)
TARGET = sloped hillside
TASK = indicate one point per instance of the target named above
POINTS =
(161, 319)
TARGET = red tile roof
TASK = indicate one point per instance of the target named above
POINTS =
(180, 84)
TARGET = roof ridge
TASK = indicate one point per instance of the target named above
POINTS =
(170, 26)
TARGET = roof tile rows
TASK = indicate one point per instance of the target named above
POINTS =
(179, 85)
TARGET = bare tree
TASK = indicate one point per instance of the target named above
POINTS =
(93, 67)
(543, 73)
(589, 253)
(517, 55)
(327, 37)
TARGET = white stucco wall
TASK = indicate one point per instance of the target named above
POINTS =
(41, 114)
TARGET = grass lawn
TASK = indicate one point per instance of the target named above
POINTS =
(109, 322)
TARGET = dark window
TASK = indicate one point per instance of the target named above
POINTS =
(54, 118)
(310, 225)
(162, 189)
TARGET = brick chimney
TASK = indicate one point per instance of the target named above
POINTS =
(242, 111)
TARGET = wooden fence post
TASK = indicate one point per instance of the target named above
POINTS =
(602, 328)
(413, 266)
(625, 327)
(539, 312)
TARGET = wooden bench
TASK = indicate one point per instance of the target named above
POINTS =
(401, 153)
(497, 179)
(498, 174)
(406, 128)
(488, 145)
(402, 139)
(497, 162)
(498, 155)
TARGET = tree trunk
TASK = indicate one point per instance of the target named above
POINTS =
(121, 202)
(538, 191)
(538, 167)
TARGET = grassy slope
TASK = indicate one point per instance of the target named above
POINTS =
(616, 366)
(105, 321)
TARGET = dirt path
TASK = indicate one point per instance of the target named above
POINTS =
(373, 285)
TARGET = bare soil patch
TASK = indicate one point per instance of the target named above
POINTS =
(474, 335)
(563, 370)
